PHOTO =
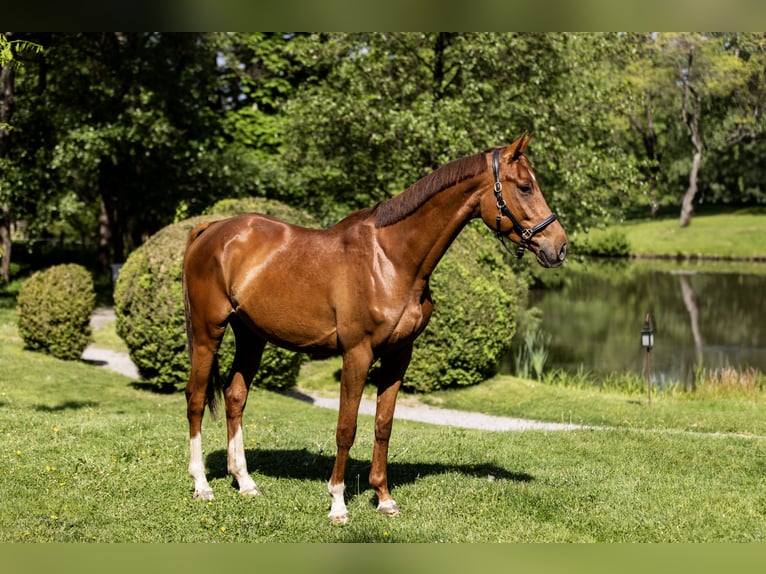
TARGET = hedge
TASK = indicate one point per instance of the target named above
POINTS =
(53, 309)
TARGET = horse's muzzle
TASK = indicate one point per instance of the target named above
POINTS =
(552, 257)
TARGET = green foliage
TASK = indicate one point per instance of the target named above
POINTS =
(397, 105)
(135, 124)
(149, 306)
(54, 308)
(231, 207)
(9, 49)
(477, 298)
(722, 73)
(612, 242)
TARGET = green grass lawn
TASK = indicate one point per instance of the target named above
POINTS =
(90, 456)
(737, 234)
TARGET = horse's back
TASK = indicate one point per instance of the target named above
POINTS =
(266, 270)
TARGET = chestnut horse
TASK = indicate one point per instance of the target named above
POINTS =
(358, 289)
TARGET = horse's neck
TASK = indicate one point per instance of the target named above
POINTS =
(424, 236)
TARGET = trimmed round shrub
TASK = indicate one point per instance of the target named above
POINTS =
(477, 297)
(232, 207)
(53, 309)
(148, 299)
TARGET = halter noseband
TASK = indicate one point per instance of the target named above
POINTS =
(502, 209)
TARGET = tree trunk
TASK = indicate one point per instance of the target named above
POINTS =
(5, 244)
(111, 178)
(104, 236)
(7, 75)
(687, 206)
(691, 109)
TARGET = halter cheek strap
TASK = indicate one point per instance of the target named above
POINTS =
(524, 233)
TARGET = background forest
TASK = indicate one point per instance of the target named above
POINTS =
(107, 137)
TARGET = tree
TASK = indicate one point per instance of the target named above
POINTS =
(395, 106)
(6, 110)
(9, 52)
(589, 176)
(141, 127)
(646, 101)
(698, 88)
(736, 174)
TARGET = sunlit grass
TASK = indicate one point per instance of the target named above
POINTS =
(85, 456)
(740, 234)
(88, 456)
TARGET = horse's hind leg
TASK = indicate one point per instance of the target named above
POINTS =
(203, 359)
(246, 361)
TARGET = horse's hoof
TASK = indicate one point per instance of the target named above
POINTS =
(203, 494)
(255, 491)
(389, 508)
(339, 518)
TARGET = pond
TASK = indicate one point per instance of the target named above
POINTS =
(707, 314)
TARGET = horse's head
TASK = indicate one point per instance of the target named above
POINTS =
(515, 206)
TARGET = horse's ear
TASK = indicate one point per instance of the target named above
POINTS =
(518, 147)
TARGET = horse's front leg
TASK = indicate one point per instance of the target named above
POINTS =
(356, 363)
(392, 369)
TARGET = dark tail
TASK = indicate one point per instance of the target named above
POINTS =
(214, 390)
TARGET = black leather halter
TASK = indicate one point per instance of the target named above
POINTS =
(524, 233)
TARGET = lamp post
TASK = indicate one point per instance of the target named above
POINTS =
(647, 342)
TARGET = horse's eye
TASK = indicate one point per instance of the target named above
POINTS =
(525, 188)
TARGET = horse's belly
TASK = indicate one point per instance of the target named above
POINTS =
(292, 326)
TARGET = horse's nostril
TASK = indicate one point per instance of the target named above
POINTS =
(563, 252)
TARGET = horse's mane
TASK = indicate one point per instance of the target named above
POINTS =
(412, 198)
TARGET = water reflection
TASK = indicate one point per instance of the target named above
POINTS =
(712, 316)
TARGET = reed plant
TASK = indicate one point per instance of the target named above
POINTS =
(532, 355)
(725, 381)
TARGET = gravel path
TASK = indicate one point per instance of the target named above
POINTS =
(448, 417)
(121, 363)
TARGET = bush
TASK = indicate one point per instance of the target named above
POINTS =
(149, 306)
(54, 307)
(477, 297)
(608, 243)
(231, 207)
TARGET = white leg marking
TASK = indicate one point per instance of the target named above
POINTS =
(238, 464)
(197, 469)
(338, 513)
(388, 507)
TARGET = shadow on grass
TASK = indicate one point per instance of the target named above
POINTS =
(305, 465)
(65, 406)
(164, 389)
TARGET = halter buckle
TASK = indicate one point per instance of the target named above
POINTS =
(527, 234)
